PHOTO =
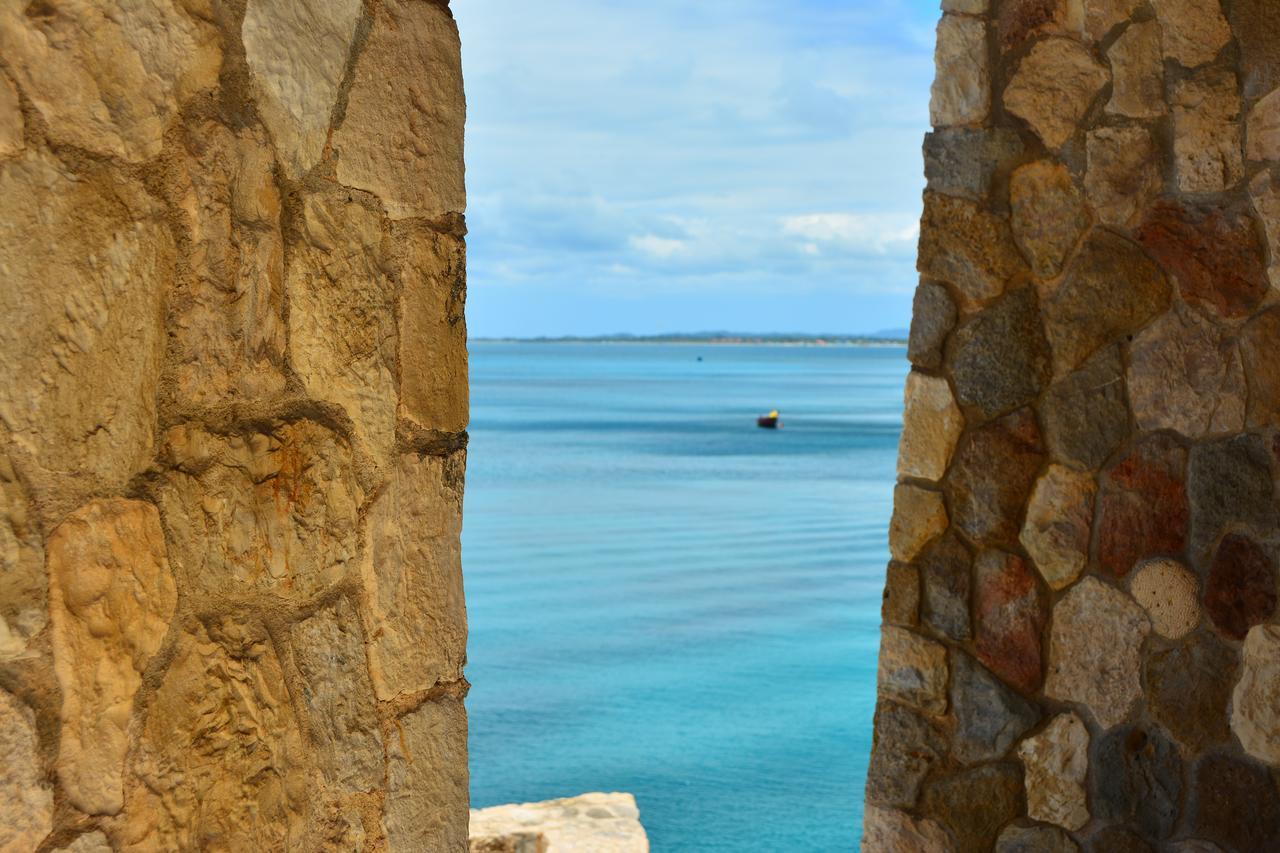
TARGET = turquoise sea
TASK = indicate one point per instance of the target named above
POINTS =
(666, 600)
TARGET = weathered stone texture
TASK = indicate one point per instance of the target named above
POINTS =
(609, 823)
(1095, 650)
(975, 804)
(1086, 414)
(1194, 30)
(931, 425)
(1053, 87)
(969, 162)
(1123, 175)
(1263, 129)
(1143, 507)
(1235, 804)
(1259, 343)
(907, 746)
(890, 829)
(992, 477)
(1057, 763)
(989, 716)
(12, 124)
(1241, 589)
(967, 247)
(946, 579)
(401, 138)
(26, 799)
(1229, 483)
(1207, 137)
(1059, 519)
(999, 358)
(1049, 215)
(933, 315)
(1010, 617)
(1264, 190)
(23, 582)
(427, 779)
(1020, 20)
(1137, 780)
(901, 595)
(1255, 702)
(913, 670)
(962, 87)
(1257, 31)
(919, 516)
(1137, 68)
(1035, 839)
(1188, 688)
(1102, 16)
(111, 596)
(413, 577)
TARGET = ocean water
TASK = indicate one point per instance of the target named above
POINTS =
(666, 600)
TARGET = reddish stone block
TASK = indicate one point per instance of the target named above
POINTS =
(1010, 619)
(992, 475)
(1241, 591)
(1143, 505)
(1215, 255)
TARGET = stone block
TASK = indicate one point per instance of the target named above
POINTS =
(992, 476)
(1255, 702)
(1053, 88)
(1194, 30)
(933, 315)
(931, 426)
(1010, 618)
(919, 516)
(1057, 763)
(906, 747)
(969, 248)
(1143, 507)
(1137, 73)
(913, 670)
(1049, 215)
(427, 795)
(1188, 688)
(999, 357)
(26, 798)
(962, 87)
(1207, 138)
(1137, 780)
(1058, 525)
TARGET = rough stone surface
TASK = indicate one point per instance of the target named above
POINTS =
(1101, 676)
(1170, 595)
(967, 247)
(901, 595)
(1241, 589)
(1255, 702)
(1235, 804)
(1229, 483)
(89, 842)
(1257, 32)
(1019, 21)
(338, 697)
(1123, 175)
(913, 670)
(1049, 215)
(609, 823)
(989, 716)
(1102, 16)
(1010, 618)
(1207, 137)
(1263, 130)
(1215, 255)
(962, 88)
(1086, 414)
(1137, 780)
(1053, 87)
(933, 315)
(1137, 69)
(1143, 507)
(1188, 688)
(402, 135)
(969, 162)
(946, 579)
(1185, 375)
(106, 78)
(276, 510)
(1112, 290)
(975, 804)
(427, 778)
(919, 516)
(992, 476)
(1115, 839)
(413, 578)
(23, 582)
(111, 596)
(931, 425)
(1059, 518)
(890, 829)
(1259, 342)
(26, 799)
(1264, 190)
(1194, 30)
(1057, 763)
(220, 754)
(907, 746)
(12, 124)
(999, 358)
(1035, 839)
(297, 55)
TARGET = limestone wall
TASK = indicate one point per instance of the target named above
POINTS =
(1081, 648)
(233, 401)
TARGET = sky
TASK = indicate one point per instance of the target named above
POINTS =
(651, 166)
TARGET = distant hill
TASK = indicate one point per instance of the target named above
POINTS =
(888, 336)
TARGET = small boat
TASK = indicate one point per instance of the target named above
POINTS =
(769, 421)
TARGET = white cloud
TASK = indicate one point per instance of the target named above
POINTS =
(658, 247)
(873, 232)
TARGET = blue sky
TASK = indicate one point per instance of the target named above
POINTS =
(655, 166)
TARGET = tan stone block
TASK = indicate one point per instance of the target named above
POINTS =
(22, 594)
(273, 512)
(342, 315)
(328, 650)
(402, 136)
(433, 330)
(220, 758)
(111, 596)
(297, 54)
(1057, 762)
(919, 516)
(11, 121)
(1053, 88)
(972, 249)
(1264, 190)
(1255, 702)
(1049, 215)
(226, 314)
(86, 263)
(89, 842)
(427, 780)
(962, 86)
(1137, 72)
(413, 577)
(1059, 519)
(913, 670)
(1123, 176)
(1264, 128)
(106, 76)
(931, 426)
(1102, 16)
(1194, 30)
(1206, 132)
(26, 800)
(885, 830)
(602, 823)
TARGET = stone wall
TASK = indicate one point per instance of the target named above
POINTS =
(232, 426)
(1081, 648)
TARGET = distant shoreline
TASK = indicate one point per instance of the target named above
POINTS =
(744, 340)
